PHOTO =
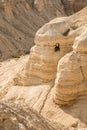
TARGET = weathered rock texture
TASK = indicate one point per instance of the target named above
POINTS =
(17, 117)
(52, 42)
(30, 81)
(44, 56)
(71, 81)
(72, 6)
(20, 19)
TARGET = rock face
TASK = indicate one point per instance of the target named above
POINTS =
(20, 19)
(36, 80)
(71, 80)
(22, 117)
(44, 56)
(52, 42)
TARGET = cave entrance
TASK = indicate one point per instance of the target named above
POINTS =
(57, 47)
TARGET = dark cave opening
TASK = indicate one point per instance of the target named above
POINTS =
(57, 47)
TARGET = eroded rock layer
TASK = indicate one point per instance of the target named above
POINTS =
(52, 42)
(44, 56)
(20, 19)
(71, 80)
(28, 78)
(17, 117)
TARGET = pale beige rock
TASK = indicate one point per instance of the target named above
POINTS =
(10, 68)
(28, 118)
(20, 19)
(52, 42)
(43, 60)
(21, 127)
(36, 74)
(80, 45)
(71, 80)
(34, 96)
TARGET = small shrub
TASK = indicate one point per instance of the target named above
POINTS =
(16, 56)
(27, 52)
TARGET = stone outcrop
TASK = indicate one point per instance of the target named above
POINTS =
(71, 80)
(52, 42)
(31, 79)
(44, 56)
(24, 118)
(20, 19)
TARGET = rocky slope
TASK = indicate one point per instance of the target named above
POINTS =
(36, 80)
(72, 6)
(52, 42)
(20, 19)
(17, 117)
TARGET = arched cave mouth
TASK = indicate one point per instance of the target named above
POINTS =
(57, 47)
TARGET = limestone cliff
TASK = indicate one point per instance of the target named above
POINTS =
(20, 19)
(53, 74)
(73, 86)
(44, 56)
(52, 42)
